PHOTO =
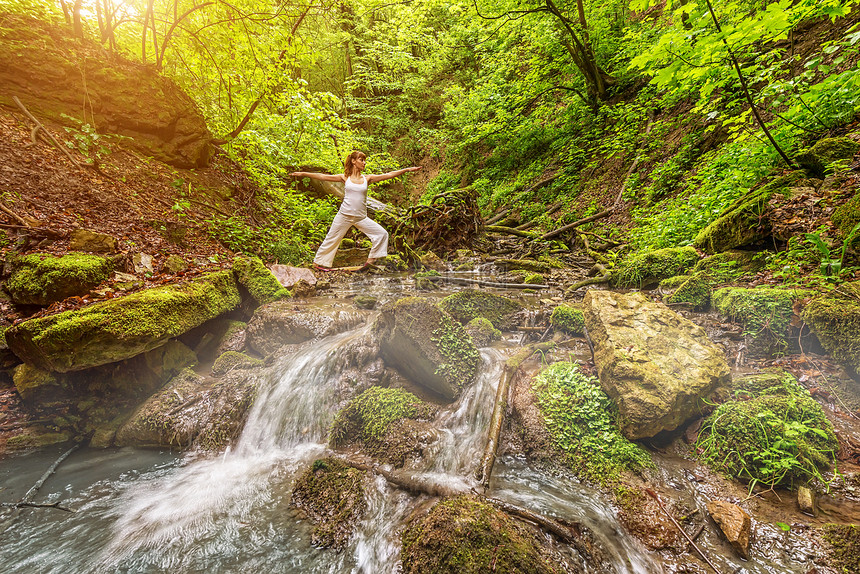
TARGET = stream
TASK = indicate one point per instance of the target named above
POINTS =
(141, 511)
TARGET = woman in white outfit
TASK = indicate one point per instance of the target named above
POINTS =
(353, 211)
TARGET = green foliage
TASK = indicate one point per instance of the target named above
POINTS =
(650, 266)
(779, 437)
(844, 551)
(764, 312)
(831, 267)
(467, 304)
(581, 420)
(461, 358)
(568, 319)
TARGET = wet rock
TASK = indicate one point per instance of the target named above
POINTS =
(735, 524)
(123, 327)
(391, 425)
(232, 360)
(806, 500)
(123, 97)
(142, 263)
(36, 386)
(835, 320)
(91, 241)
(190, 409)
(302, 289)
(257, 280)
(482, 332)
(426, 345)
(284, 323)
(288, 276)
(463, 534)
(350, 257)
(332, 495)
(364, 301)
(530, 265)
(642, 516)
(174, 264)
(842, 546)
(125, 281)
(467, 304)
(655, 364)
(42, 279)
(36, 437)
(432, 261)
(232, 338)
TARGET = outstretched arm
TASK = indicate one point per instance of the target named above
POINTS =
(322, 176)
(390, 174)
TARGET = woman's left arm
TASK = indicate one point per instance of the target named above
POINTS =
(390, 174)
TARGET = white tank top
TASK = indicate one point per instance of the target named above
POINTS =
(354, 198)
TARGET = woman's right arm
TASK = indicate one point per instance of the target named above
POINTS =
(322, 176)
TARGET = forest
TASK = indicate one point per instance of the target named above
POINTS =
(621, 295)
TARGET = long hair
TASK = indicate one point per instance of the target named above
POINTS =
(349, 164)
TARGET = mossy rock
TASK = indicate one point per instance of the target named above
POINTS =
(530, 265)
(331, 493)
(568, 319)
(470, 303)
(255, 277)
(729, 265)
(121, 328)
(375, 419)
(835, 320)
(464, 535)
(843, 552)
(777, 434)
(672, 283)
(35, 385)
(232, 360)
(648, 267)
(826, 151)
(364, 301)
(765, 314)
(534, 279)
(744, 221)
(37, 438)
(695, 292)
(847, 216)
(42, 279)
(482, 331)
(425, 344)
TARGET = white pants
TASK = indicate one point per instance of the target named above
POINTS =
(341, 224)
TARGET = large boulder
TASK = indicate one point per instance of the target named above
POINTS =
(425, 344)
(58, 76)
(255, 278)
(42, 279)
(284, 323)
(121, 328)
(191, 409)
(835, 320)
(655, 364)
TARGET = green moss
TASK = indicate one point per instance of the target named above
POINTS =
(121, 328)
(41, 279)
(673, 282)
(743, 221)
(28, 440)
(568, 319)
(695, 291)
(777, 435)
(844, 551)
(835, 320)
(826, 151)
(529, 265)
(581, 421)
(463, 535)
(764, 312)
(254, 276)
(648, 267)
(482, 331)
(459, 352)
(232, 360)
(846, 216)
(331, 493)
(534, 279)
(470, 303)
(368, 416)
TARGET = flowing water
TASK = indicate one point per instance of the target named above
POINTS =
(142, 511)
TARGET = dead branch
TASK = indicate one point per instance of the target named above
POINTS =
(529, 224)
(14, 216)
(48, 134)
(512, 365)
(34, 505)
(498, 216)
(654, 495)
(575, 224)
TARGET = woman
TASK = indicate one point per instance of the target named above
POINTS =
(353, 211)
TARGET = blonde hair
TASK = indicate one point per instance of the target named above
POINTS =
(349, 164)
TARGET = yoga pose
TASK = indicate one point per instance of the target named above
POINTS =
(353, 211)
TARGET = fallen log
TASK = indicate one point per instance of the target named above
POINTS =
(482, 283)
(509, 231)
(485, 470)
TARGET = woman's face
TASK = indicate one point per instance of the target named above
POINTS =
(359, 164)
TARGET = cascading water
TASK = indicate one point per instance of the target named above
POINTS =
(231, 513)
